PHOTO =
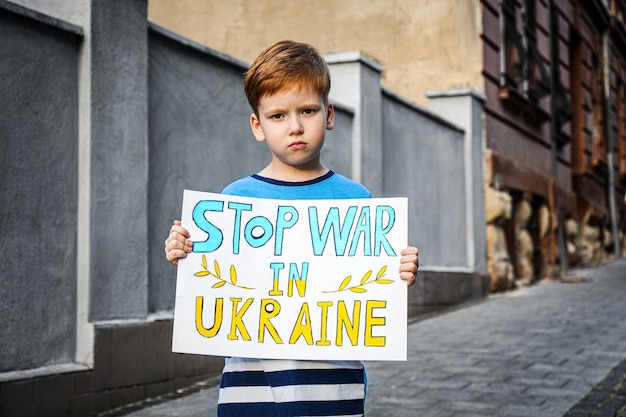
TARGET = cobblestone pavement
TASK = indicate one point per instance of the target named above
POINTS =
(554, 349)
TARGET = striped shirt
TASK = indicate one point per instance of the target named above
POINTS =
(277, 387)
(293, 388)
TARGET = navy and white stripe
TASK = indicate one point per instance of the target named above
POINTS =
(269, 387)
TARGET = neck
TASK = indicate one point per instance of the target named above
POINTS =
(293, 174)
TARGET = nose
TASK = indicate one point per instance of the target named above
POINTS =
(295, 126)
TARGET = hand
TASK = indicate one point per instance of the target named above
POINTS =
(409, 264)
(177, 244)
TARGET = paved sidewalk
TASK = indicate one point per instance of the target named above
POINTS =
(546, 351)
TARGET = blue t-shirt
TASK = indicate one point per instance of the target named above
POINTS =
(290, 388)
(329, 186)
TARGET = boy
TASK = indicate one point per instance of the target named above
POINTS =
(287, 87)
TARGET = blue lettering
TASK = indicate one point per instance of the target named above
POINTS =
(298, 278)
(256, 225)
(276, 267)
(295, 274)
(215, 237)
(381, 231)
(363, 228)
(287, 216)
(341, 233)
(238, 207)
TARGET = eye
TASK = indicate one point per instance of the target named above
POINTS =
(276, 116)
(308, 111)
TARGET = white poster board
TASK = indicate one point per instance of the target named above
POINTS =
(292, 279)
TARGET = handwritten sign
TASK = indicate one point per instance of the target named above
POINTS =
(303, 279)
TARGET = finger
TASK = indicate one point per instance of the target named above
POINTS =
(176, 240)
(176, 249)
(174, 255)
(410, 250)
(409, 258)
(410, 268)
(410, 254)
(408, 265)
(173, 243)
(176, 227)
(178, 237)
(408, 277)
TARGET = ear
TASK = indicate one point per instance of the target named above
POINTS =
(330, 117)
(257, 129)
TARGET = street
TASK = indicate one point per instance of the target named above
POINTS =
(546, 351)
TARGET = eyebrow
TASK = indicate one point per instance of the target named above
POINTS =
(281, 109)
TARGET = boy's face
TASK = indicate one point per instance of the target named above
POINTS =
(293, 123)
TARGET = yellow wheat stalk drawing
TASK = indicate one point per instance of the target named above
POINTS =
(218, 275)
(366, 280)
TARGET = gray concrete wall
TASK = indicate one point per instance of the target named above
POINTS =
(423, 160)
(78, 12)
(465, 108)
(199, 139)
(38, 190)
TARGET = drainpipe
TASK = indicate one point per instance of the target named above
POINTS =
(563, 261)
(610, 142)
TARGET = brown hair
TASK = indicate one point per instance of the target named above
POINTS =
(284, 64)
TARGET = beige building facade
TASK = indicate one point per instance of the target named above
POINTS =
(412, 40)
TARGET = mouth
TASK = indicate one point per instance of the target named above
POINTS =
(297, 145)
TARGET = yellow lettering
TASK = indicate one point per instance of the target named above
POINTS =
(269, 308)
(302, 329)
(371, 321)
(275, 292)
(237, 319)
(347, 331)
(323, 340)
(300, 287)
(217, 323)
(351, 326)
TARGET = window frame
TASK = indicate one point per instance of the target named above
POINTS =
(522, 70)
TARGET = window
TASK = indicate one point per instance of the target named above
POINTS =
(561, 102)
(582, 125)
(599, 151)
(522, 69)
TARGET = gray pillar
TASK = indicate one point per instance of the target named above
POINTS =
(119, 159)
(356, 83)
(465, 109)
